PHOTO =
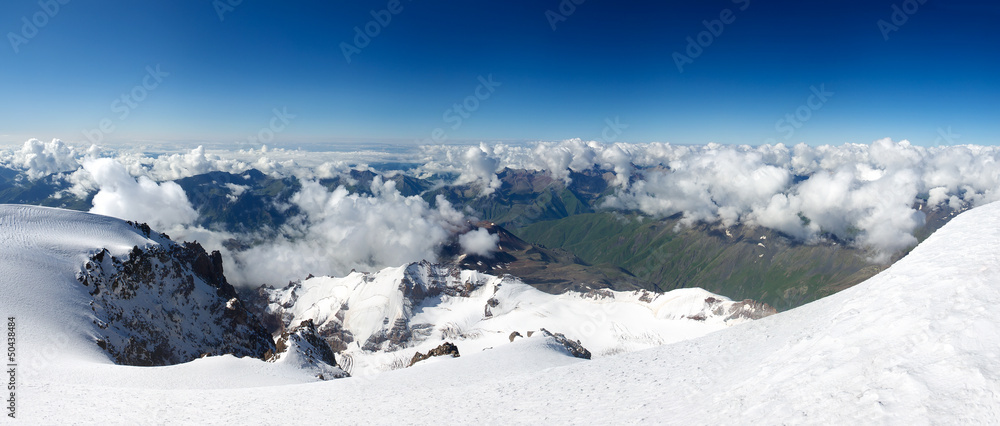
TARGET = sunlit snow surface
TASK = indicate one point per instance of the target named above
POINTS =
(606, 322)
(916, 344)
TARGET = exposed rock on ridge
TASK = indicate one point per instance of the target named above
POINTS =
(167, 304)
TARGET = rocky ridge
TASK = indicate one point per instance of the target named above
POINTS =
(168, 303)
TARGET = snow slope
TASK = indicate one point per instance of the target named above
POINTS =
(42, 251)
(917, 344)
(377, 321)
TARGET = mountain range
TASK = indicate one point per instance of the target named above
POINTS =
(913, 343)
(559, 235)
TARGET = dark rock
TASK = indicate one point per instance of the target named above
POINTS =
(598, 294)
(746, 309)
(420, 281)
(167, 304)
(751, 309)
(574, 347)
(310, 345)
(446, 348)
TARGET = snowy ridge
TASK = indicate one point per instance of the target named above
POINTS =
(302, 348)
(41, 251)
(154, 303)
(375, 321)
(914, 345)
(169, 303)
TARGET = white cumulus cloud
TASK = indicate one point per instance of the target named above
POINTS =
(162, 205)
(479, 242)
(338, 231)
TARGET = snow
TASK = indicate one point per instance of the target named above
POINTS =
(611, 322)
(916, 344)
(40, 247)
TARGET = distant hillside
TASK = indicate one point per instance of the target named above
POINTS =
(746, 261)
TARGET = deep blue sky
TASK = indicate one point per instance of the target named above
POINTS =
(605, 60)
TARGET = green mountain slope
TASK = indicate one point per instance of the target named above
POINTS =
(526, 197)
(741, 262)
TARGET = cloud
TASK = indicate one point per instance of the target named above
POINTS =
(479, 167)
(39, 159)
(196, 162)
(162, 205)
(338, 231)
(870, 195)
(479, 242)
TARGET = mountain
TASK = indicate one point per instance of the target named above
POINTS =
(121, 290)
(168, 303)
(623, 249)
(134, 297)
(550, 270)
(377, 321)
(360, 182)
(16, 188)
(913, 345)
(241, 203)
(570, 241)
(301, 346)
(528, 196)
(741, 261)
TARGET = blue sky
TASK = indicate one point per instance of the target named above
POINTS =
(277, 70)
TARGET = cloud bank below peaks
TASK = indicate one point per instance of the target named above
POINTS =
(338, 231)
(39, 159)
(870, 195)
(162, 205)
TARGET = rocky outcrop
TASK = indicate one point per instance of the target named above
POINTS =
(417, 282)
(445, 349)
(363, 315)
(303, 346)
(168, 303)
(574, 347)
(746, 309)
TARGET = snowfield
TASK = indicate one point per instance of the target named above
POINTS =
(916, 344)
(391, 314)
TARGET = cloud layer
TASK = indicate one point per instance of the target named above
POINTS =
(338, 231)
(871, 195)
(162, 205)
